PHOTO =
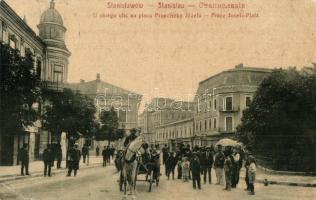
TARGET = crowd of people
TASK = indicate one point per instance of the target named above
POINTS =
(197, 164)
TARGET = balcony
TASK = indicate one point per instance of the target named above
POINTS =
(52, 85)
(231, 110)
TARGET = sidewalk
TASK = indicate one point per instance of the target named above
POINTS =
(290, 180)
(8, 173)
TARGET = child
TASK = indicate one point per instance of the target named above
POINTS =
(252, 175)
(196, 171)
(185, 169)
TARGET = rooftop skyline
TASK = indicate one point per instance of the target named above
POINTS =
(169, 58)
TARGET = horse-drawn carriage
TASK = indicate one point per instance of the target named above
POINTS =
(137, 160)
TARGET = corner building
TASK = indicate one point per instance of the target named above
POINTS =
(220, 101)
(51, 64)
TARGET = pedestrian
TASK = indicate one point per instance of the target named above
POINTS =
(165, 157)
(112, 151)
(179, 167)
(97, 150)
(252, 175)
(185, 168)
(206, 164)
(48, 158)
(59, 156)
(247, 163)
(196, 171)
(108, 154)
(104, 154)
(74, 159)
(171, 164)
(23, 156)
(219, 165)
(228, 169)
(85, 152)
(235, 167)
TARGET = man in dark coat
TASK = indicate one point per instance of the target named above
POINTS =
(104, 154)
(24, 159)
(85, 152)
(171, 163)
(206, 164)
(164, 154)
(48, 158)
(196, 171)
(59, 156)
(97, 150)
(74, 156)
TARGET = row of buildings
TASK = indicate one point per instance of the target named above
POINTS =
(214, 113)
(51, 63)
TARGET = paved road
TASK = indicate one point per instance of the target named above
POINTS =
(101, 184)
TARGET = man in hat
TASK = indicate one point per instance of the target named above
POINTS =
(130, 137)
(206, 164)
(23, 156)
(196, 171)
(48, 158)
(219, 164)
(74, 156)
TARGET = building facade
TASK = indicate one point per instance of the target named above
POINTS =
(105, 96)
(50, 63)
(164, 112)
(220, 101)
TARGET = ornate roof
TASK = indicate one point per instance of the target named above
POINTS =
(51, 15)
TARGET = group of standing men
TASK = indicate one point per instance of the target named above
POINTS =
(191, 164)
(107, 153)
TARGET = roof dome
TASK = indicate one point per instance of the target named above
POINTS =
(51, 15)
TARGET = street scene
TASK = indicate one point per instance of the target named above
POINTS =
(157, 100)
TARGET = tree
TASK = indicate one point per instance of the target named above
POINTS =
(18, 90)
(280, 123)
(69, 112)
(109, 127)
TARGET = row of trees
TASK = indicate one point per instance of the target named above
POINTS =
(23, 100)
(280, 124)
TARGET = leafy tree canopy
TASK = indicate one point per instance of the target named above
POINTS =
(280, 123)
(18, 90)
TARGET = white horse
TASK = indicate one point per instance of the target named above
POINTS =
(130, 164)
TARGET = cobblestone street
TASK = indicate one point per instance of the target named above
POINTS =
(101, 183)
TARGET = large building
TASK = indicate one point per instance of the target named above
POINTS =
(51, 64)
(162, 112)
(106, 96)
(218, 107)
(220, 101)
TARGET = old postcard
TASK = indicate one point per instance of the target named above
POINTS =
(157, 99)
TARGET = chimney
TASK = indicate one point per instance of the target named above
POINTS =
(98, 77)
(239, 66)
(82, 81)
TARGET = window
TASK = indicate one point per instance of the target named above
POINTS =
(229, 123)
(229, 103)
(214, 123)
(12, 42)
(210, 124)
(210, 105)
(200, 125)
(58, 74)
(215, 106)
(205, 125)
(38, 68)
(248, 101)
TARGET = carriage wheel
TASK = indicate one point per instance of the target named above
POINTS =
(150, 180)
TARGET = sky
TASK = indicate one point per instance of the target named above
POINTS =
(169, 57)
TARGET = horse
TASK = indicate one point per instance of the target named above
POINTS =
(130, 162)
